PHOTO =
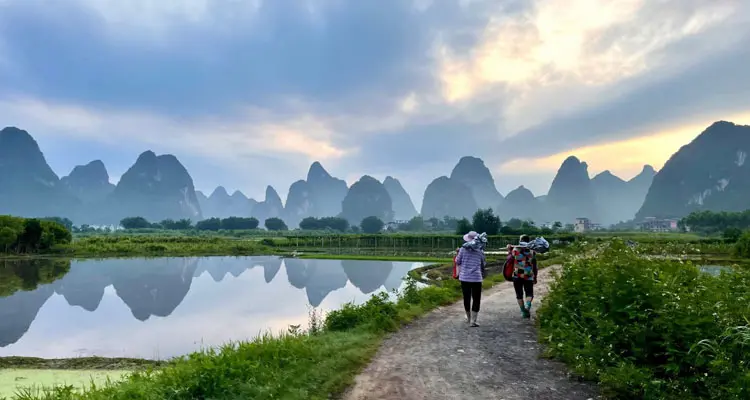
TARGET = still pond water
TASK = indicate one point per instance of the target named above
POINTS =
(165, 307)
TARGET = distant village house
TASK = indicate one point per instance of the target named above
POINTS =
(653, 224)
(584, 224)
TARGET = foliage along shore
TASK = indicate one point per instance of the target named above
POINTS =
(650, 328)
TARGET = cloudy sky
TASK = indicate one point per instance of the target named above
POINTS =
(250, 92)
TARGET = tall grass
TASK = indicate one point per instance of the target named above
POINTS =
(312, 364)
(651, 329)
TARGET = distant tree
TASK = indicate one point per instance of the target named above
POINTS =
(354, 229)
(275, 224)
(529, 227)
(67, 223)
(239, 223)
(710, 222)
(514, 223)
(449, 223)
(335, 223)
(509, 230)
(310, 224)
(135, 223)
(732, 234)
(211, 224)
(165, 224)
(742, 247)
(8, 238)
(180, 225)
(463, 226)
(486, 221)
(331, 223)
(183, 224)
(557, 225)
(54, 233)
(416, 224)
(546, 231)
(372, 224)
(31, 237)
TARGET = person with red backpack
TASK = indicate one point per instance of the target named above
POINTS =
(525, 271)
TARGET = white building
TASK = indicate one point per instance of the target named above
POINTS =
(582, 225)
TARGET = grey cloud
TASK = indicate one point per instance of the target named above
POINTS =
(358, 55)
(717, 84)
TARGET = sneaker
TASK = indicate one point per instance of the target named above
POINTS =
(526, 314)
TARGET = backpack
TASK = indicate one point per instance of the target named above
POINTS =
(508, 268)
(455, 273)
(510, 262)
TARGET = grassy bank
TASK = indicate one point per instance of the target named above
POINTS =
(142, 245)
(313, 364)
(650, 328)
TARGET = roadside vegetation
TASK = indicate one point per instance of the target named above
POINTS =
(650, 328)
(30, 235)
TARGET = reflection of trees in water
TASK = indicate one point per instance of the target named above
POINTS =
(367, 276)
(28, 274)
(25, 285)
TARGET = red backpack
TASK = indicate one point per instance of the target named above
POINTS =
(508, 268)
(455, 269)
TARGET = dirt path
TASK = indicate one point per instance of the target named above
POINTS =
(440, 357)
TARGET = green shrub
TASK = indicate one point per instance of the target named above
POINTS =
(742, 246)
(650, 329)
(378, 313)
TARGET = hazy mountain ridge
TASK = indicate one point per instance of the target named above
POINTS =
(708, 173)
(89, 183)
(403, 207)
(220, 204)
(320, 195)
(367, 197)
(28, 186)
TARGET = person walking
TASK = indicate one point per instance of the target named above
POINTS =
(525, 273)
(470, 264)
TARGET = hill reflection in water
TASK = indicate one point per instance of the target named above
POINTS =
(163, 307)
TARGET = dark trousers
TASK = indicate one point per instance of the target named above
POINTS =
(523, 285)
(472, 295)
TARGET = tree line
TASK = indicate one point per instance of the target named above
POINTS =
(368, 225)
(485, 220)
(730, 224)
(210, 224)
(31, 235)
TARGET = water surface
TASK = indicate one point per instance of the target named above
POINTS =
(164, 307)
(714, 270)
